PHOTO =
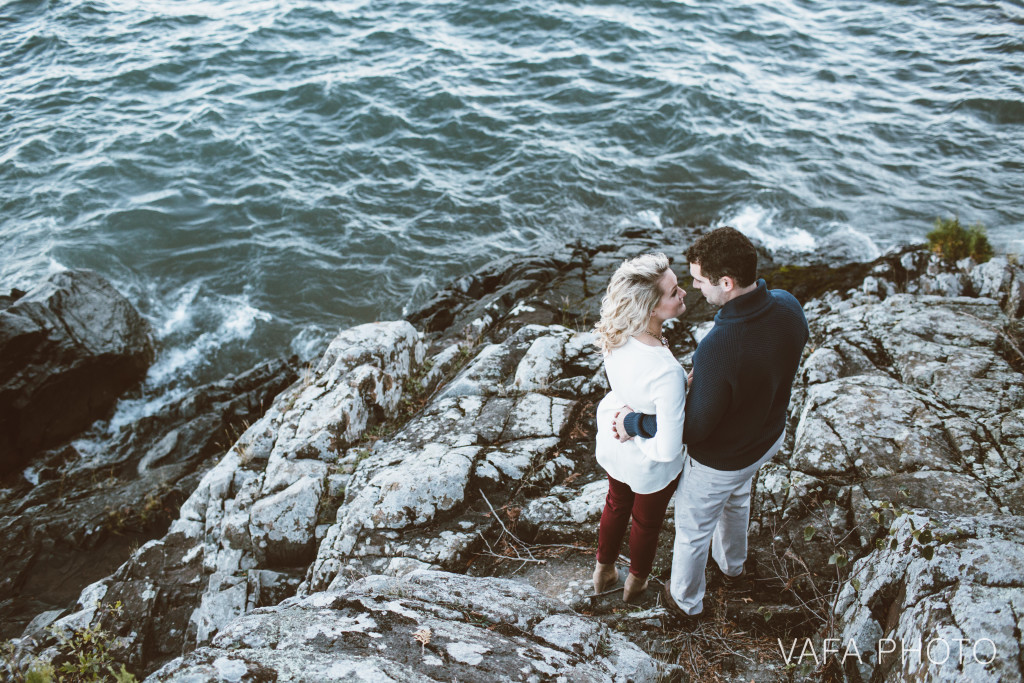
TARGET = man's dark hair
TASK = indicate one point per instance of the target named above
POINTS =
(725, 251)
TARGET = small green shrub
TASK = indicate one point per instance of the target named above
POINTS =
(84, 655)
(87, 654)
(952, 241)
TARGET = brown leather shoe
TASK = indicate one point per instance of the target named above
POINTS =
(741, 583)
(670, 602)
(679, 616)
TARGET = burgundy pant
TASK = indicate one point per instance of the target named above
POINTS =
(648, 512)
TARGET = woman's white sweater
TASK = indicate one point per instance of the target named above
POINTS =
(649, 380)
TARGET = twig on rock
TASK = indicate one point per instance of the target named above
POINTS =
(594, 596)
(513, 546)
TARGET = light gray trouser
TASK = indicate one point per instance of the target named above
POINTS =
(710, 502)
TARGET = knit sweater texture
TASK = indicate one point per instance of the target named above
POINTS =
(743, 373)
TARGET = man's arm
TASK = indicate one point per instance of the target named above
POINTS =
(640, 424)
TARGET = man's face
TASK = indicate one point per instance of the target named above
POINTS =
(715, 293)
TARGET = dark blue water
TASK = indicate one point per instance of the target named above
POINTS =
(255, 175)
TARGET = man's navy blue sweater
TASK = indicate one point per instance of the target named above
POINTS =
(743, 373)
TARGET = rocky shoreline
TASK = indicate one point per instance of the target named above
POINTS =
(423, 504)
(84, 512)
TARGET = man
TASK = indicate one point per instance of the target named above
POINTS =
(736, 409)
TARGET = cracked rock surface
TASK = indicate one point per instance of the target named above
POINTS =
(482, 432)
(954, 616)
(425, 626)
(905, 456)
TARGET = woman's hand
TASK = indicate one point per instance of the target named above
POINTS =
(689, 378)
(619, 424)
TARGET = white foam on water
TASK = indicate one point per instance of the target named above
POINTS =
(27, 274)
(651, 218)
(96, 441)
(856, 244)
(242, 319)
(310, 343)
(647, 218)
(180, 314)
(181, 354)
(758, 223)
(54, 266)
(130, 410)
(238, 320)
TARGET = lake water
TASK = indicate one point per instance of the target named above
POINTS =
(255, 175)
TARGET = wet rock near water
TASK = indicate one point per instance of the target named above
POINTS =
(78, 523)
(249, 528)
(68, 350)
(81, 507)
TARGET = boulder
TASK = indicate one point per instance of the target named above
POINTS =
(906, 458)
(887, 417)
(939, 607)
(480, 433)
(68, 350)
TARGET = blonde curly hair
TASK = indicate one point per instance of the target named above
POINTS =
(632, 294)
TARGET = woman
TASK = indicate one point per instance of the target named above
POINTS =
(642, 473)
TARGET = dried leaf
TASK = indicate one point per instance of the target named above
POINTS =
(422, 637)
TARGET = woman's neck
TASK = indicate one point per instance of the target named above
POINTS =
(652, 336)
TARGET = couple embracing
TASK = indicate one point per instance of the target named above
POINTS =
(702, 436)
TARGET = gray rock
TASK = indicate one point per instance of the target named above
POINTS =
(903, 402)
(478, 433)
(566, 515)
(868, 424)
(1001, 280)
(282, 525)
(42, 621)
(966, 598)
(245, 517)
(422, 626)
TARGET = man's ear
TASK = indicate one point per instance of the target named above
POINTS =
(728, 283)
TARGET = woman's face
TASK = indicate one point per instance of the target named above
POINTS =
(671, 304)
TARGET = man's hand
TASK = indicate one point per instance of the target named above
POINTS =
(689, 378)
(619, 424)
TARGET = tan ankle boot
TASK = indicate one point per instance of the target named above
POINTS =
(605, 576)
(634, 588)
